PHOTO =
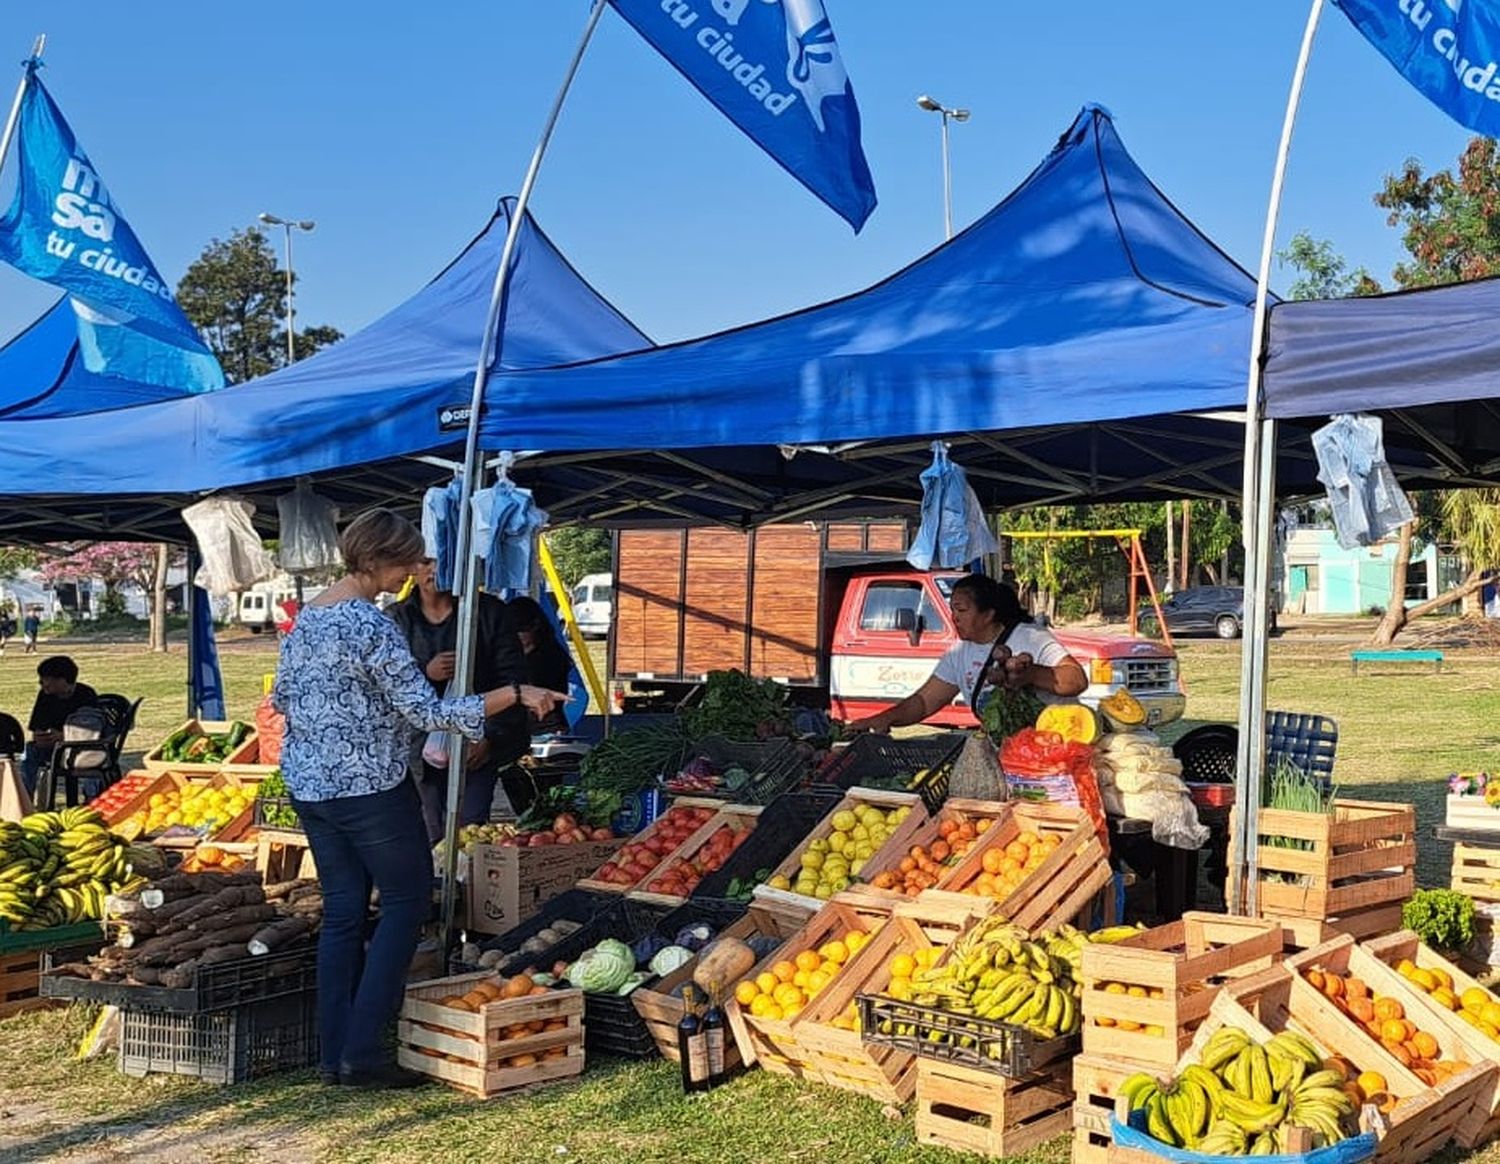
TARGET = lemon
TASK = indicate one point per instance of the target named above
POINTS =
(844, 820)
(812, 859)
(779, 882)
(837, 841)
(817, 845)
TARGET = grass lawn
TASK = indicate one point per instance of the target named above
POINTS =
(1402, 730)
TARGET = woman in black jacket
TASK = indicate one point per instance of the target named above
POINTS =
(545, 656)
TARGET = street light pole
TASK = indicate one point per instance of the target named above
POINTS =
(933, 106)
(288, 224)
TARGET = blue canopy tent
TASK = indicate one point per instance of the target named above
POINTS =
(357, 417)
(42, 374)
(1426, 361)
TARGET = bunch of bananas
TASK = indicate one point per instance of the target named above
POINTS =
(1241, 1096)
(56, 868)
(996, 972)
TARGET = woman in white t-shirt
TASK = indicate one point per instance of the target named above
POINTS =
(991, 626)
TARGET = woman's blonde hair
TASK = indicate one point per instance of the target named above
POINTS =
(379, 538)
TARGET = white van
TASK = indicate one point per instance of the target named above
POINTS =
(264, 607)
(593, 602)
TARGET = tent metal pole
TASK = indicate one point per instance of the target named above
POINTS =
(489, 353)
(1259, 507)
(15, 109)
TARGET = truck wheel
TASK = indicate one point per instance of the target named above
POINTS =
(255, 628)
(1227, 627)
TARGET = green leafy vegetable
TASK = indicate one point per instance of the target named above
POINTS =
(1442, 918)
(739, 708)
(1006, 712)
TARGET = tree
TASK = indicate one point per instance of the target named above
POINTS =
(113, 563)
(235, 292)
(14, 559)
(1322, 272)
(1450, 223)
(577, 551)
(1469, 520)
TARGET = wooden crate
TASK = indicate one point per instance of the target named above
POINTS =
(1096, 1082)
(1175, 971)
(957, 810)
(775, 1044)
(899, 841)
(741, 818)
(976, 1111)
(1362, 857)
(662, 1010)
(283, 856)
(700, 834)
(247, 753)
(176, 780)
(1457, 1040)
(20, 979)
(1476, 869)
(1058, 890)
(466, 1050)
(1391, 949)
(1424, 1118)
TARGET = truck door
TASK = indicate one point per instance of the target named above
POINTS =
(874, 663)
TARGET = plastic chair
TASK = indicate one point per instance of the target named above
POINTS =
(94, 760)
(12, 737)
(1307, 741)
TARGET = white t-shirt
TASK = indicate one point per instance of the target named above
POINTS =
(962, 662)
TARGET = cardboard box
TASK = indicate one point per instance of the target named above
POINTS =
(507, 884)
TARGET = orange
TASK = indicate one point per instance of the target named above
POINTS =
(1028, 838)
(1444, 979)
(1333, 985)
(903, 966)
(1490, 1014)
(807, 960)
(1389, 1008)
(992, 860)
(1355, 988)
(1405, 967)
(1018, 849)
(981, 825)
(1011, 865)
(1475, 998)
(1403, 1056)
(1314, 978)
(767, 982)
(1340, 1064)
(946, 827)
(834, 951)
(1362, 1009)
(1424, 979)
(1445, 997)
(1393, 1031)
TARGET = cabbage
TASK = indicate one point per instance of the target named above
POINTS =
(694, 937)
(669, 958)
(604, 969)
(645, 948)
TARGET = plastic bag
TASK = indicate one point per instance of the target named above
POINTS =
(309, 530)
(953, 531)
(435, 749)
(233, 558)
(1350, 1151)
(270, 726)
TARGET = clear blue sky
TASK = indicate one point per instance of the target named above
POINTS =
(396, 126)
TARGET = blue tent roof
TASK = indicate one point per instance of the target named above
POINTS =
(42, 374)
(1084, 296)
(373, 396)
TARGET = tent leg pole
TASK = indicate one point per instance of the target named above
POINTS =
(468, 610)
(1259, 505)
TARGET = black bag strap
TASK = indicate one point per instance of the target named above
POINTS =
(985, 670)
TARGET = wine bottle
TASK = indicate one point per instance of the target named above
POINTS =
(713, 1026)
(692, 1051)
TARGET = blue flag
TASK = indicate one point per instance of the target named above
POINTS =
(1448, 49)
(204, 678)
(64, 228)
(773, 68)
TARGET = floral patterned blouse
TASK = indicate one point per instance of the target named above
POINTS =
(351, 693)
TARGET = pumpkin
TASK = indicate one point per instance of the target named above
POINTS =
(1074, 722)
(1123, 710)
(723, 962)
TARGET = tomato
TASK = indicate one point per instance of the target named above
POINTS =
(565, 823)
(602, 834)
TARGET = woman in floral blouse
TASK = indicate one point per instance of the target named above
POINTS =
(352, 694)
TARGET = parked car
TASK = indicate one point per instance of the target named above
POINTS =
(1203, 610)
(592, 600)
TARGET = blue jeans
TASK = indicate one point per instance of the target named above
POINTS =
(479, 791)
(358, 841)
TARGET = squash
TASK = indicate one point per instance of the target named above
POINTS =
(723, 963)
(1074, 722)
(1123, 710)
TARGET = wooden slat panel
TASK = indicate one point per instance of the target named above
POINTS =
(717, 601)
(785, 634)
(846, 537)
(887, 537)
(647, 597)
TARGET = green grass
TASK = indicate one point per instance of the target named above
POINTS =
(1402, 731)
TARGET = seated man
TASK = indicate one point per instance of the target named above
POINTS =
(61, 695)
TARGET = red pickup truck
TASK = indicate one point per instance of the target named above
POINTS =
(831, 610)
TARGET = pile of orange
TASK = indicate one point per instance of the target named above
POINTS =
(791, 983)
(1132, 991)
(920, 869)
(1476, 1005)
(1384, 1019)
(1362, 1087)
(1004, 867)
(962, 832)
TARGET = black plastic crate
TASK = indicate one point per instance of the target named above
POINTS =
(578, 905)
(228, 984)
(876, 761)
(775, 766)
(277, 813)
(983, 1044)
(781, 827)
(223, 1046)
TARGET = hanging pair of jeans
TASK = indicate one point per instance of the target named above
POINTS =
(1367, 502)
(506, 524)
(440, 518)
